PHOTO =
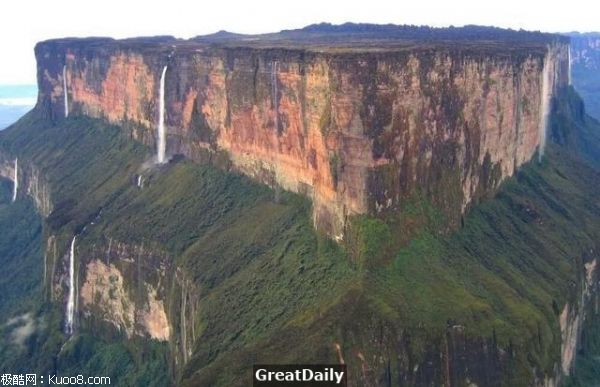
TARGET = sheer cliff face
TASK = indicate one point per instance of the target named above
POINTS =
(355, 131)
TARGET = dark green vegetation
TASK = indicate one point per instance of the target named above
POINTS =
(353, 36)
(255, 257)
(324, 37)
(572, 113)
(128, 363)
(270, 289)
(20, 252)
(21, 261)
(503, 278)
(71, 154)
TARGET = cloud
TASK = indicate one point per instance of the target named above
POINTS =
(23, 101)
(24, 327)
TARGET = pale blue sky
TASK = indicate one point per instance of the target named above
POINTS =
(25, 22)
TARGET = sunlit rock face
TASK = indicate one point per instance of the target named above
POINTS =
(121, 290)
(357, 131)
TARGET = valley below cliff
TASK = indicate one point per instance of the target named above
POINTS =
(426, 214)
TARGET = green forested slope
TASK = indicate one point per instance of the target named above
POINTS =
(273, 290)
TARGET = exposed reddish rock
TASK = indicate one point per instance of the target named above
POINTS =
(355, 131)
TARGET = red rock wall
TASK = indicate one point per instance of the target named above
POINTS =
(356, 132)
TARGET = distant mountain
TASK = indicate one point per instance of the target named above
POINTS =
(585, 57)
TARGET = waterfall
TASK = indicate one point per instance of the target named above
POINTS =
(183, 322)
(16, 182)
(65, 96)
(140, 181)
(45, 268)
(108, 252)
(71, 300)
(161, 143)
(274, 91)
(544, 105)
(570, 69)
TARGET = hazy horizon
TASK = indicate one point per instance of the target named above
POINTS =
(15, 101)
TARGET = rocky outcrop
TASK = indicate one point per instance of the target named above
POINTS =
(458, 360)
(37, 187)
(31, 182)
(125, 286)
(185, 304)
(356, 130)
(122, 285)
(573, 315)
(571, 321)
(104, 289)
